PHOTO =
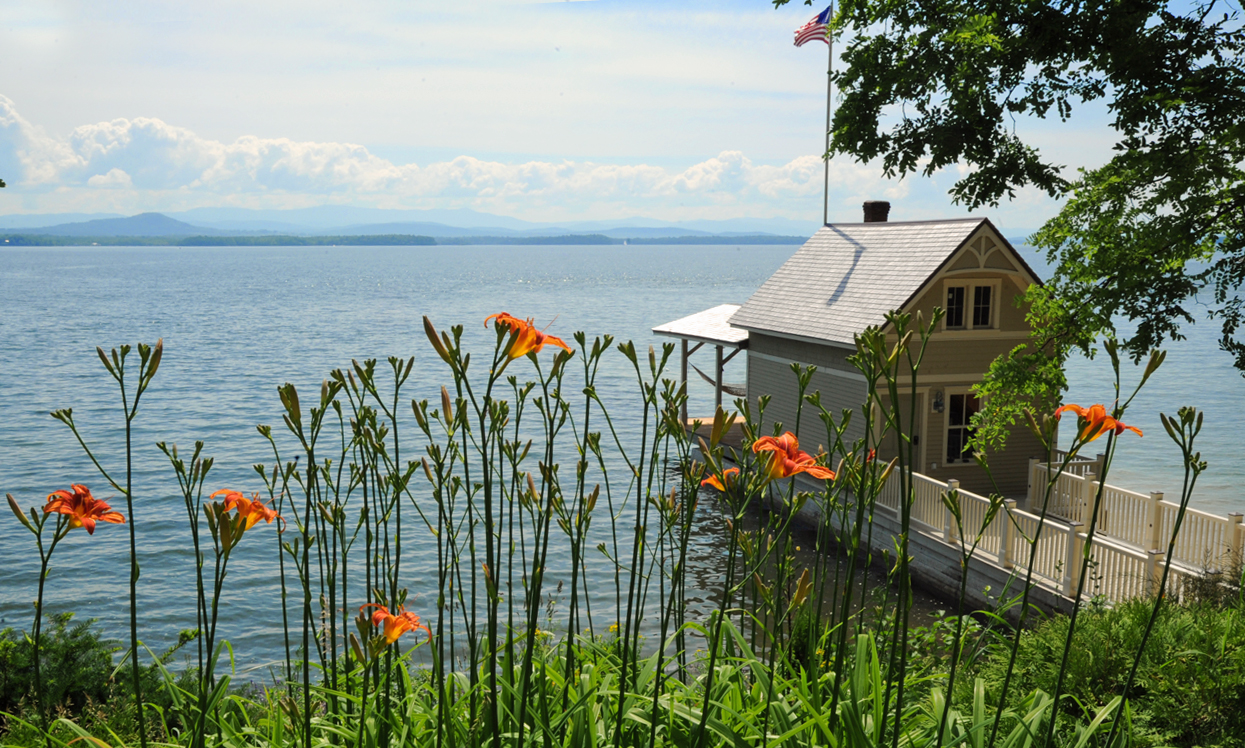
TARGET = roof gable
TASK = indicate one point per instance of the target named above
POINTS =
(848, 276)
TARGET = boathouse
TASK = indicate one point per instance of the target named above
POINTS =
(846, 278)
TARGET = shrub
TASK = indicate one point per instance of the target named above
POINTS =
(1190, 687)
(77, 664)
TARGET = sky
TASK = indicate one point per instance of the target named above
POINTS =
(583, 110)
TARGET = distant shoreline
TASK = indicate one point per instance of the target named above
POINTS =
(374, 240)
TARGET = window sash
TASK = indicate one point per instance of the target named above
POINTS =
(955, 306)
(982, 306)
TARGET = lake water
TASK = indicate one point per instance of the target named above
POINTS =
(238, 322)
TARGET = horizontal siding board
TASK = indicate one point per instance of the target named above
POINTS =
(773, 378)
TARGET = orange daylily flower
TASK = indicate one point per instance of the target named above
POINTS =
(787, 458)
(395, 624)
(84, 510)
(507, 319)
(525, 338)
(252, 509)
(727, 476)
(1095, 422)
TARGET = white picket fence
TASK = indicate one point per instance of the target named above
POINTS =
(1145, 522)
(1124, 558)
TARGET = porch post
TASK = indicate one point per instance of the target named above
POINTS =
(683, 378)
(717, 380)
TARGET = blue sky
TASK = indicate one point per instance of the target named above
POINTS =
(592, 109)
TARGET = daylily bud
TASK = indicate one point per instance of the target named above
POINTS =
(887, 472)
(433, 338)
(1169, 424)
(802, 588)
(356, 649)
(17, 511)
(445, 405)
(104, 357)
(155, 358)
(704, 449)
(1156, 360)
(1033, 425)
(761, 587)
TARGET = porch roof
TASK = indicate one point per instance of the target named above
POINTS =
(709, 326)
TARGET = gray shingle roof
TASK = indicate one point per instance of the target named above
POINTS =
(849, 275)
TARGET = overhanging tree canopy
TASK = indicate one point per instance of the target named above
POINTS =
(1156, 230)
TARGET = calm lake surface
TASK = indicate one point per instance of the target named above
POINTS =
(238, 322)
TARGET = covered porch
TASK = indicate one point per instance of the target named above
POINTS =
(712, 328)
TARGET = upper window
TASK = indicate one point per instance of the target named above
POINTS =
(969, 306)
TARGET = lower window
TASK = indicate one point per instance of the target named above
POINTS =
(960, 410)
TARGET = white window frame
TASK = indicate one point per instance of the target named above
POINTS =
(946, 424)
(968, 284)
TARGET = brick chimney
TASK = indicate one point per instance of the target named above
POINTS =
(876, 211)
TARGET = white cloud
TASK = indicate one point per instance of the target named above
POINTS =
(143, 164)
(114, 178)
(152, 159)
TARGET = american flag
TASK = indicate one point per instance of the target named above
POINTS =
(818, 29)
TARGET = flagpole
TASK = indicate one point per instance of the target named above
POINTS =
(825, 195)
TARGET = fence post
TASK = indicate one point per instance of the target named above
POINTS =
(1235, 536)
(1072, 559)
(1154, 570)
(948, 521)
(1006, 532)
(1156, 518)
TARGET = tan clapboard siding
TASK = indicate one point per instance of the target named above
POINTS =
(1010, 467)
(961, 358)
(775, 378)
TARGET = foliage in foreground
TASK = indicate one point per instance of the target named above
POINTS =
(510, 467)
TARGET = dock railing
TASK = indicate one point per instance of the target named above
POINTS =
(1126, 556)
(1144, 521)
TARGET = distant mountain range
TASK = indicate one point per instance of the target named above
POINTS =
(349, 221)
